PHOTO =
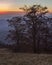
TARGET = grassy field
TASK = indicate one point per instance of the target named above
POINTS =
(9, 58)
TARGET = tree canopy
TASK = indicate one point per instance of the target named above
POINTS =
(33, 31)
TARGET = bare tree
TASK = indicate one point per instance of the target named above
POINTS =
(36, 15)
(14, 33)
(36, 23)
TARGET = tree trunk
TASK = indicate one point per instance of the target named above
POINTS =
(34, 38)
(17, 40)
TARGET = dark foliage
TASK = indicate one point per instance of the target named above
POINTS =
(34, 35)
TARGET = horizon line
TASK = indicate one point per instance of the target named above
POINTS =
(7, 12)
(11, 12)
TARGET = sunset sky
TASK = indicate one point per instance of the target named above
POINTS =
(14, 5)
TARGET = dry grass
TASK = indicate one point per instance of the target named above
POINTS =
(9, 58)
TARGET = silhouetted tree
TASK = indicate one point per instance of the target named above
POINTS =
(14, 33)
(36, 15)
(36, 23)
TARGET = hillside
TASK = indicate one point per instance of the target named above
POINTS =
(9, 58)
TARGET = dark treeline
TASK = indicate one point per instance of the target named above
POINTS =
(30, 32)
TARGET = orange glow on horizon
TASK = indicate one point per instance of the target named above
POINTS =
(10, 12)
(17, 11)
(5, 11)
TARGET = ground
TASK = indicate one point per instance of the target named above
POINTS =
(9, 58)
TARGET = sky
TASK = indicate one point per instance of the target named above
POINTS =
(14, 5)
